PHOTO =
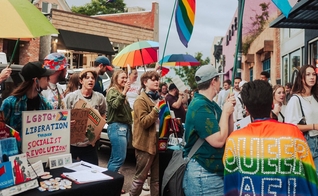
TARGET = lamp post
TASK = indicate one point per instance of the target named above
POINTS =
(239, 38)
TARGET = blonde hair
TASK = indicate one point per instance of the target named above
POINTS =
(277, 86)
(114, 80)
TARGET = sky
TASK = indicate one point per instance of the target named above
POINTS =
(212, 19)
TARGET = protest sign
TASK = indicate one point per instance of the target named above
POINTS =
(78, 130)
(45, 133)
(95, 122)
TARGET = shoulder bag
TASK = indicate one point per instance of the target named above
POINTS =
(173, 175)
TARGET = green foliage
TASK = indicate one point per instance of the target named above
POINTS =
(258, 23)
(97, 7)
(186, 73)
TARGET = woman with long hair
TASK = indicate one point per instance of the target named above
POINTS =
(84, 150)
(27, 96)
(119, 119)
(305, 99)
(279, 103)
(73, 84)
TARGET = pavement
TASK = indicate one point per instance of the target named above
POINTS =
(127, 170)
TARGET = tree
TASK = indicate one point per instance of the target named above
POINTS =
(187, 73)
(97, 7)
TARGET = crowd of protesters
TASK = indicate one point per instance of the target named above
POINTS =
(274, 154)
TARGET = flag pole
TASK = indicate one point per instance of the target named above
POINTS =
(164, 48)
(238, 50)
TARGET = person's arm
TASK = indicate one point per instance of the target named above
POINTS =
(115, 99)
(218, 139)
(178, 103)
(5, 73)
(141, 112)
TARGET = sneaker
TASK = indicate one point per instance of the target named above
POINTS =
(146, 187)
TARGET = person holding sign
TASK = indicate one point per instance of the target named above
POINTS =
(119, 119)
(27, 96)
(84, 150)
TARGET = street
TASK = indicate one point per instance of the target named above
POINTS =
(128, 169)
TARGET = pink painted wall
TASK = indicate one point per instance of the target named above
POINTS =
(250, 10)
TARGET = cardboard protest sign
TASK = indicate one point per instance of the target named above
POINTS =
(45, 133)
(78, 130)
(95, 122)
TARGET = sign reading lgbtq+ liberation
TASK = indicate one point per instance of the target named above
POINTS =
(45, 133)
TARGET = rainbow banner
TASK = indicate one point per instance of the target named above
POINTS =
(184, 17)
(164, 118)
(268, 158)
(14, 133)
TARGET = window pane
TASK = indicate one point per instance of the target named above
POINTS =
(45, 7)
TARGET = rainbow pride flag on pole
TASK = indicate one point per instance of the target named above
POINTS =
(184, 16)
(164, 118)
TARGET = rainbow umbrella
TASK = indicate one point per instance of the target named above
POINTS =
(179, 60)
(137, 54)
(21, 19)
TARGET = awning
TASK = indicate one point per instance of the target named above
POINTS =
(303, 16)
(85, 42)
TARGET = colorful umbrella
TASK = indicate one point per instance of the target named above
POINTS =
(164, 71)
(137, 54)
(179, 60)
(21, 19)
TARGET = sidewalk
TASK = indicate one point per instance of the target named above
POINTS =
(143, 193)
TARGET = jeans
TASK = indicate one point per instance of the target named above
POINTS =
(313, 145)
(145, 162)
(118, 134)
(198, 181)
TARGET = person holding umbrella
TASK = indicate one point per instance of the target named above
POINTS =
(27, 96)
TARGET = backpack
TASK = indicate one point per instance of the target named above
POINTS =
(173, 175)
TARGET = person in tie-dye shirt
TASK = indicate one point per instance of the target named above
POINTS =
(267, 157)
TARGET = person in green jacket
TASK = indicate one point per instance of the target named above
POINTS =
(119, 119)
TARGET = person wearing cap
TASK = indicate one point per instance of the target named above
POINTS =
(84, 150)
(239, 109)
(54, 92)
(206, 120)
(175, 99)
(27, 96)
(101, 64)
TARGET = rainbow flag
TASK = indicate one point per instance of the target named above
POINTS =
(164, 118)
(268, 158)
(14, 133)
(184, 17)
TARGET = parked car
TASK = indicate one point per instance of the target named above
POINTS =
(7, 86)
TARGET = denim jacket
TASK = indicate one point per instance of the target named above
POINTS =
(13, 107)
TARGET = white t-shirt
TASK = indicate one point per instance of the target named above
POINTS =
(293, 112)
(133, 93)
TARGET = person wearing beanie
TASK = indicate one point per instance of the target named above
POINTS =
(27, 96)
